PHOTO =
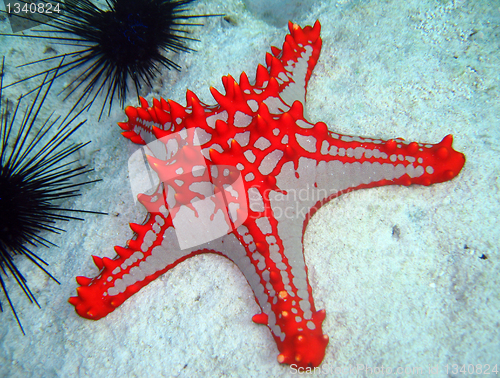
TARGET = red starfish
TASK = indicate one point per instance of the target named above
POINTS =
(242, 178)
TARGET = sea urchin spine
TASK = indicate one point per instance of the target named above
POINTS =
(34, 176)
(126, 41)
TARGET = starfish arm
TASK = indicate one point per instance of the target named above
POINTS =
(283, 82)
(276, 271)
(328, 164)
(151, 252)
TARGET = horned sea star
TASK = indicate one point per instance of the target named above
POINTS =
(235, 178)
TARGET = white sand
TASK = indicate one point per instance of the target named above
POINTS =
(413, 69)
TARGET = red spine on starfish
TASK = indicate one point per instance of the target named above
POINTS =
(241, 178)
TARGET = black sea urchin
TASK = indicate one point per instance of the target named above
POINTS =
(34, 176)
(125, 41)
